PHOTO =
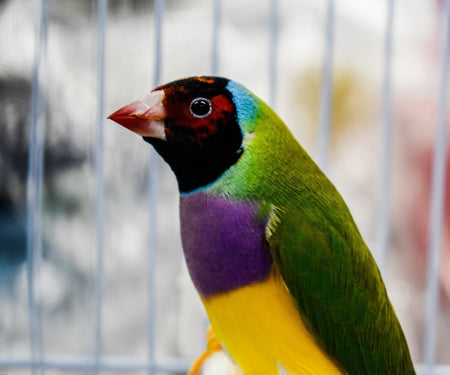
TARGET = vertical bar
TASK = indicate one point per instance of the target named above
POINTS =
(384, 185)
(273, 50)
(217, 15)
(102, 10)
(34, 187)
(326, 91)
(154, 167)
(152, 251)
(158, 13)
(437, 206)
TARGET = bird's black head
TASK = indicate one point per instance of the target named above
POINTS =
(192, 123)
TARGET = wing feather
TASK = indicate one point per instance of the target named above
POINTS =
(338, 291)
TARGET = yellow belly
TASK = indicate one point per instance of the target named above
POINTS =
(261, 329)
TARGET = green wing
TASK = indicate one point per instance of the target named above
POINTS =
(337, 287)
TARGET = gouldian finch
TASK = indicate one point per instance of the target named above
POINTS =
(285, 277)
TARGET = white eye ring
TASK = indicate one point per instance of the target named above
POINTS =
(200, 111)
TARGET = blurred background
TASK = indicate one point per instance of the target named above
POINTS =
(136, 229)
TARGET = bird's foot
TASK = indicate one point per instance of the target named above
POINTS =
(213, 345)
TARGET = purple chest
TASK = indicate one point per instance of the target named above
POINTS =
(224, 243)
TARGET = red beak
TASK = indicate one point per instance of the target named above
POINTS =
(144, 117)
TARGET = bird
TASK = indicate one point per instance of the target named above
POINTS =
(285, 277)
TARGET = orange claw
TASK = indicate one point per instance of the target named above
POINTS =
(213, 345)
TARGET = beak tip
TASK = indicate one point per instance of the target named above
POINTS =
(112, 116)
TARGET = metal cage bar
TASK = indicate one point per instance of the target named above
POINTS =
(326, 91)
(217, 17)
(273, 49)
(437, 204)
(75, 363)
(102, 11)
(122, 364)
(34, 188)
(154, 167)
(384, 185)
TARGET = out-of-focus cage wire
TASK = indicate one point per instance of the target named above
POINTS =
(38, 362)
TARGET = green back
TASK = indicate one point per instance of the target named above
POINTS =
(319, 252)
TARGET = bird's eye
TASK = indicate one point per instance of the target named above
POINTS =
(200, 107)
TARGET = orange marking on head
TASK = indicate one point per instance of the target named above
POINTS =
(205, 79)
